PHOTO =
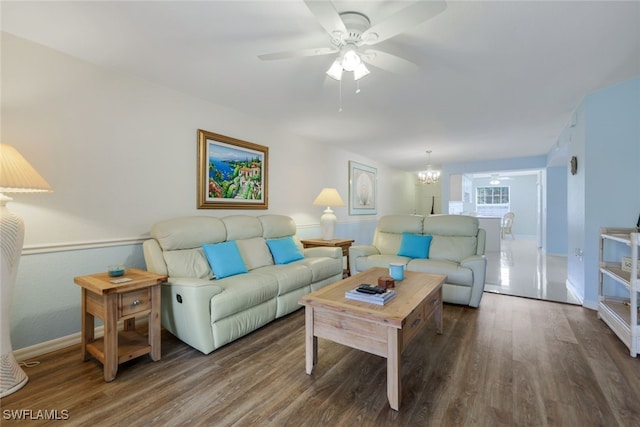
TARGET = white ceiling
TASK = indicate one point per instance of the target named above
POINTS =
(496, 80)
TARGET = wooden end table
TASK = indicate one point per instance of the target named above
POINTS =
(112, 302)
(336, 243)
(381, 330)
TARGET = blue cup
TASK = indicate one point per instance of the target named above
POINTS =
(396, 271)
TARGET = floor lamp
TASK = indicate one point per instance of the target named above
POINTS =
(328, 197)
(16, 176)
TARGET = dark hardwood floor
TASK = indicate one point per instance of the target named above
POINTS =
(512, 362)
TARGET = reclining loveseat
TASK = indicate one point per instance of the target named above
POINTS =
(456, 249)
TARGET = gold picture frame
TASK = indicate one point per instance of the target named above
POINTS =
(232, 174)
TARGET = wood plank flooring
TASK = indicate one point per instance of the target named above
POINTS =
(512, 362)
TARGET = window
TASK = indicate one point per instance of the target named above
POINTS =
(492, 201)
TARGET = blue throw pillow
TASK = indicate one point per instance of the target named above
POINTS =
(284, 250)
(415, 245)
(225, 259)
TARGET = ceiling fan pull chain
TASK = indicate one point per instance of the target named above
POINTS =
(340, 96)
(358, 86)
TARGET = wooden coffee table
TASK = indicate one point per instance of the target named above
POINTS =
(381, 330)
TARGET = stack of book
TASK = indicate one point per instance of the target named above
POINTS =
(378, 299)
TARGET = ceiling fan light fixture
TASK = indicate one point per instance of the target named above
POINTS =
(335, 71)
(350, 58)
(360, 71)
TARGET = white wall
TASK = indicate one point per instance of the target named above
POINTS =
(120, 153)
(523, 201)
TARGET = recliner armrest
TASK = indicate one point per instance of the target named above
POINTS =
(478, 265)
(153, 257)
(359, 251)
(186, 310)
(323, 251)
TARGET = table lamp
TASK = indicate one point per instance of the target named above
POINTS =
(16, 176)
(328, 197)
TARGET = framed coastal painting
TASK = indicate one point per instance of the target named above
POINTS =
(232, 174)
(363, 189)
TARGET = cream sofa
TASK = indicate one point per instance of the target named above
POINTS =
(456, 250)
(208, 313)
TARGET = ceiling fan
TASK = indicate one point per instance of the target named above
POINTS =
(496, 178)
(350, 34)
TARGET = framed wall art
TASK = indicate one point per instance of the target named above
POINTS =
(363, 189)
(232, 174)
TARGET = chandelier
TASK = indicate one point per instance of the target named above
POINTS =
(430, 176)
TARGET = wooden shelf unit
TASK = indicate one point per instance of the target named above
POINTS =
(619, 313)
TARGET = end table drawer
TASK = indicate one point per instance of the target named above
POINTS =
(134, 302)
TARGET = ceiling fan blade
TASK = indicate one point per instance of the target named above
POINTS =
(388, 62)
(327, 16)
(298, 53)
(403, 20)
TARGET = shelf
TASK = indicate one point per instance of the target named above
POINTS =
(617, 274)
(131, 344)
(620, 307)
(620, 313)
(621, 235)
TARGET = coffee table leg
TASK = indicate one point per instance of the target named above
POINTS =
(438, 313)
(394, 382)
(311, 341)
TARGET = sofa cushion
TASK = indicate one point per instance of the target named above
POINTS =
(401, 223)
(289, 276)
(322, 267)
(388, 235)
(188, 232)
(187, 263)
(284, 250)
(452, 248)
(242, 292)
(414, 245)
(275, 226)
(242, 227)
(383, 261)
(387, 243)
(255, 252)
(225, 259)
(455, 273)
(451, 225)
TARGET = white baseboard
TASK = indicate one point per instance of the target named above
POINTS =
(37, 350)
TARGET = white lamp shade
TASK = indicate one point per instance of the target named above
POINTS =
(360, 71)
(335, 71)
(328, 197)
(17, 175)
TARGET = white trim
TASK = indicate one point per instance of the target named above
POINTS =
(39, 349)
(74, 246)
